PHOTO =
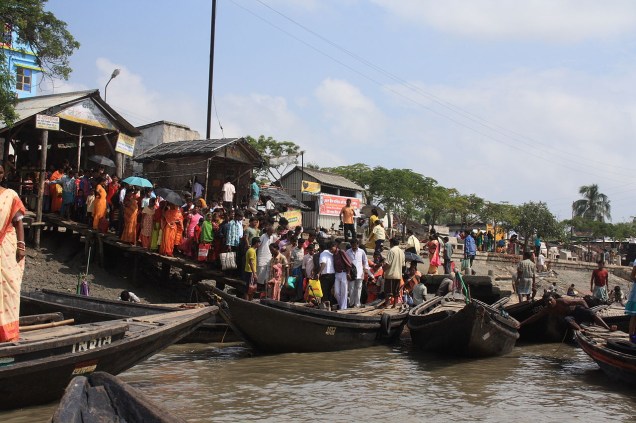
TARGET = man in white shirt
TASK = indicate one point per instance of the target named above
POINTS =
(328, 272)
(264, 257)
(413, 244)
(360, 261)
(228, 195)
(197, 188)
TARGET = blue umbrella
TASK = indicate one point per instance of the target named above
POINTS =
(137, 181)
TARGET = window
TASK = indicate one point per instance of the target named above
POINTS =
(23, 79)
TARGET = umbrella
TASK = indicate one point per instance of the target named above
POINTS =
(101, 160)
(170, 196)
(366, 210)
(137, 181)
(408, 256)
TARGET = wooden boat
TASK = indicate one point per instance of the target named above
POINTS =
(612, 351)
(101, 397)
(450, 325)
(277, 327)
(551, 328)
(85, 309)
(36, 368)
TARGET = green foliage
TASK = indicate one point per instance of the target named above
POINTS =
(271, 150)
(536, 218)
(593, 206)
(44, 35)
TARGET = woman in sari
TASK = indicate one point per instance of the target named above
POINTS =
(55, 190)
(433, 255)
(156, 226)
(99, 204)
(171, 228)
(129, 234)
(12, 252)
(147, 217)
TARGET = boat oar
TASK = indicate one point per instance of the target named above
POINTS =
(47, 325)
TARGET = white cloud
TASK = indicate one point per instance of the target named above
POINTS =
(353, 118)
(550, 20)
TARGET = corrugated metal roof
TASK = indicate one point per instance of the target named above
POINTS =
(329, 178)
(26, 108)
(189, 148)
(280, 196)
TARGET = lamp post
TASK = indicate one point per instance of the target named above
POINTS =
(113, 75)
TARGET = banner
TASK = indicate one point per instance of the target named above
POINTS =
(330, 205)
(125, 144)
(51, 123)
(294, 217)
(310, 187)
(88, 113)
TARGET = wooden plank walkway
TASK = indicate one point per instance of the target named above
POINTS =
(191, 271)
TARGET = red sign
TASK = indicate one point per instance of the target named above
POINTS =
(330, 205)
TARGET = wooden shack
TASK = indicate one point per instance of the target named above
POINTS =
(175, 164)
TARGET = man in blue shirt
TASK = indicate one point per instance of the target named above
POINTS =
(255, 193)
(470, 249)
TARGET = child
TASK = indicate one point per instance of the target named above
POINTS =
(90, 203)
(571, 291)
(250, 270)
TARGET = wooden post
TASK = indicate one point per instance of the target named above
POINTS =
(79, 149)
(207, 177)
(40, 202)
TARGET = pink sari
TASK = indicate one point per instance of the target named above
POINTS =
(10, 269)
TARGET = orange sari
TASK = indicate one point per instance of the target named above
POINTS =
(55, 192)
(172, 229)
(10, 269)
(129, 233)
(99, 205)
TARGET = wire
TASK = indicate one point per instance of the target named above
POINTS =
(217, 115)
(455, 109)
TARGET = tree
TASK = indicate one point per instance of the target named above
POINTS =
(535, 218)
(41, 33)
(593, 206)
(278, 156)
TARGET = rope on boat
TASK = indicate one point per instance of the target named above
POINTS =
(464, 287)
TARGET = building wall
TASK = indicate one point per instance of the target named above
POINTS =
(154, 135)
(26, 60)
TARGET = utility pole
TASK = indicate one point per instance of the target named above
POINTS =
(211, 73)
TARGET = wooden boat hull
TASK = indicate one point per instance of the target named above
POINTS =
(37, 369)
(88, 310)
(615, 364)
(276, 327)
(103, 397)
(549, 328)
(473, 331)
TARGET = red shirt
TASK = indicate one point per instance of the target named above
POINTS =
(599, 276)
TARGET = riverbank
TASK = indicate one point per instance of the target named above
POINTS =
(59, 262)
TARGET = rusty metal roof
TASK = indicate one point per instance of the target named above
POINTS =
(328, 178)
(206, 148)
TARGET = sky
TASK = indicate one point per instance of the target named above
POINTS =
(511, 101)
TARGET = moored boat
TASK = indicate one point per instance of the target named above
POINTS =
(548, 328)
(277, 327)
(612, 351)
(104, 397)
(85, 309)
(451, 325)
(36, 368)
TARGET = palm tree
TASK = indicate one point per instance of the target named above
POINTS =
(593, 206)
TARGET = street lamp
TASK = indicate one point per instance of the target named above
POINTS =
(114, 74)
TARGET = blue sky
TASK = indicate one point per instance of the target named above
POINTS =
(513, 101)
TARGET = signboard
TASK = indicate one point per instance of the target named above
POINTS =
(330, 205)
(310, 187)
(294, 217)
(51, 123)
(125, 144)
(88, 113)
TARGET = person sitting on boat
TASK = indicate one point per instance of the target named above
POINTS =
(129, 296)
(571, 291)
(526, 277)
(575, 311)
(617, 296)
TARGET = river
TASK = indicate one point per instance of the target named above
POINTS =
(535, 383)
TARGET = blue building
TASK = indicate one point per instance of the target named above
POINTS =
(22, 63)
